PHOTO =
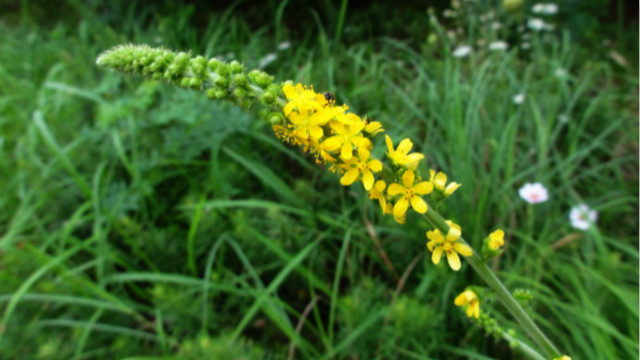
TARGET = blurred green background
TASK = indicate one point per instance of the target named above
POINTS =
(142, 221)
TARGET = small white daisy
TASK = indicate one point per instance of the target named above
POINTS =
(582, 217)
(518, 99)
(534, 193)
(462, 51)
(498, 45)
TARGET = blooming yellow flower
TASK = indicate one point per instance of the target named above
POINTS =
(360, 168)
(409, 194)
(347, 136)
(302, 99)
(377, 193)
(401, 156)
(496, 239)
(450, 246)
(470, 299)
(307, 125)
(439, 181)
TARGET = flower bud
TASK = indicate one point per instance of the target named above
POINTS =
(241, 80)
(222, 82)
(236, 67)
(240, 93)
(213, 64)
(268, 98)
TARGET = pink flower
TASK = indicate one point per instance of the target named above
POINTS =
(534, 193)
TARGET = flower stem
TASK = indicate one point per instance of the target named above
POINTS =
(501, 291)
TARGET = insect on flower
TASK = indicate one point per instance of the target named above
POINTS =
(329, 96)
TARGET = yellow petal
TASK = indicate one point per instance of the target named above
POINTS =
(289, 91)
(387, 139)
(451, 188)
(432, 175)
(461, 299)
(405, 146)
(375, 165)
(288, 108)
(475, 309)
(423, 188)
(437, 255)
(363, 154)
(374, 127)
(436, 236)
(349, 177)
(332, 143)
(380, 185)
(431, 244)
(454, 233)
(400, 208)
(454, 260)
(315, 132)
(418, 204)
(413, 160)
(440, 181)
(367, 180)
(396, 189)
(463, 249)
(347, 150)
(407, 178)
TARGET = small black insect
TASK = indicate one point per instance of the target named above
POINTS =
(329, 96)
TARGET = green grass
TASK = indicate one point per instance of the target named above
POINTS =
(141, 221)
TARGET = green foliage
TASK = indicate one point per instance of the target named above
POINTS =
(142, 221)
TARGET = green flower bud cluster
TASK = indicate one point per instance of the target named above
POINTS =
(220, 80)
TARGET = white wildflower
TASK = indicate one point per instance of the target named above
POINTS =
(582, 217)
(518, 99)
(534, 193)
(498, 45)
(462, 51)
(536, 24)
(545, 9)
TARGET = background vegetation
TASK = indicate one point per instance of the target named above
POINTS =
(141, 221)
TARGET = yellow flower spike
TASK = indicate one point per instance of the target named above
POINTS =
(470, 299)
(409, 194)
(346, 137)
(496, 239)
(302, 98)
(360, 168)
(401, 156)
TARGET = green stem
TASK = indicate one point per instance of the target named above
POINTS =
(501, 291)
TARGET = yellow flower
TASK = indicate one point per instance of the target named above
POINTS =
(439, 181)
(377, 193)
(469, 298)
(347, 136)
(563, 357)
(303, 99)
(496, 239)
(307, 125)
(409, 194)
(360, 168)
(450, 246)
(401, 156)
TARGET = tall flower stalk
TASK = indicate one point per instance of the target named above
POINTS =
(342, 142)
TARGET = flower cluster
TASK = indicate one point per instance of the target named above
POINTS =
(341, 140)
